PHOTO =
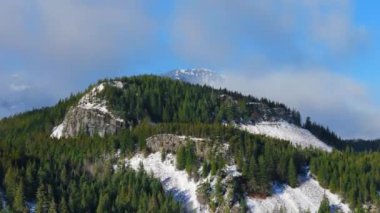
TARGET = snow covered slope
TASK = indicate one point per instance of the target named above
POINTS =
(307, 196)
(174, 181)
(286, 131)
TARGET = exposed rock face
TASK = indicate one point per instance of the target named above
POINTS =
(171, 143)
(262, 112)
(166, 142)
(203, 146)
(90, 122)
(90, 116)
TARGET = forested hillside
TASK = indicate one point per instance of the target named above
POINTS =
(164, 100)
(75, 173)
(354, 175)
(79, 173)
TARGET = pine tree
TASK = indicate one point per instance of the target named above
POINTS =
(52, 207)
(190, 158)
(205, 169)
(166, 115)
(219, 191)
(42, 202)
(262, 178)
(19, 201)
(103, 205)
(214, 166)
(30, 181)
(63, 206)
(10, 182)
(325, 206)
(181, 158)
(292, 173)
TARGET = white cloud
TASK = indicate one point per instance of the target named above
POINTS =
(283, 31)
(18, 87)
(73, 34)
(17, 95)
(63, 45)
(332, 25)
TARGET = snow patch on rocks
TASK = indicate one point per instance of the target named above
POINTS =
(118, 84)
(174, 181)
(92, 102)
(232, 170)
(3, 201)
(286, 131)
(31, 206)
(308, 196)
(89, 102)
(58, 131)
(201, 76)
(183, 137)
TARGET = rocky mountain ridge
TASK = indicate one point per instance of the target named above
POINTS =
(94, 114)
(90, 116)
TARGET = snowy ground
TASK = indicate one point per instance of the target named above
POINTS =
(191, 138)
(285, 131)
(31, 206)
(3, 202)
(307, 196)
(174, 181)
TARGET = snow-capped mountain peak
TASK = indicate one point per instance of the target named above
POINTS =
(200, 76)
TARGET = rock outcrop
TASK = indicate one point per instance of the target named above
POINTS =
(263, 112)
(90, 122)
(171, 143)
(90, 116)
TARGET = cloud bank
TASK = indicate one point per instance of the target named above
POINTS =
(299, 32)
(287, 50)
(61, 46)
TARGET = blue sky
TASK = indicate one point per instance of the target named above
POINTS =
(318, 56)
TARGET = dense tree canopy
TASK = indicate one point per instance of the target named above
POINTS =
(165, 100)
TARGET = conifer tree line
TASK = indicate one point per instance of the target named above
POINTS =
(77, 176)
(165, 100)
(356, 176)
(332, 139)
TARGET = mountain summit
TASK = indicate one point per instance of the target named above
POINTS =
(199, 76)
